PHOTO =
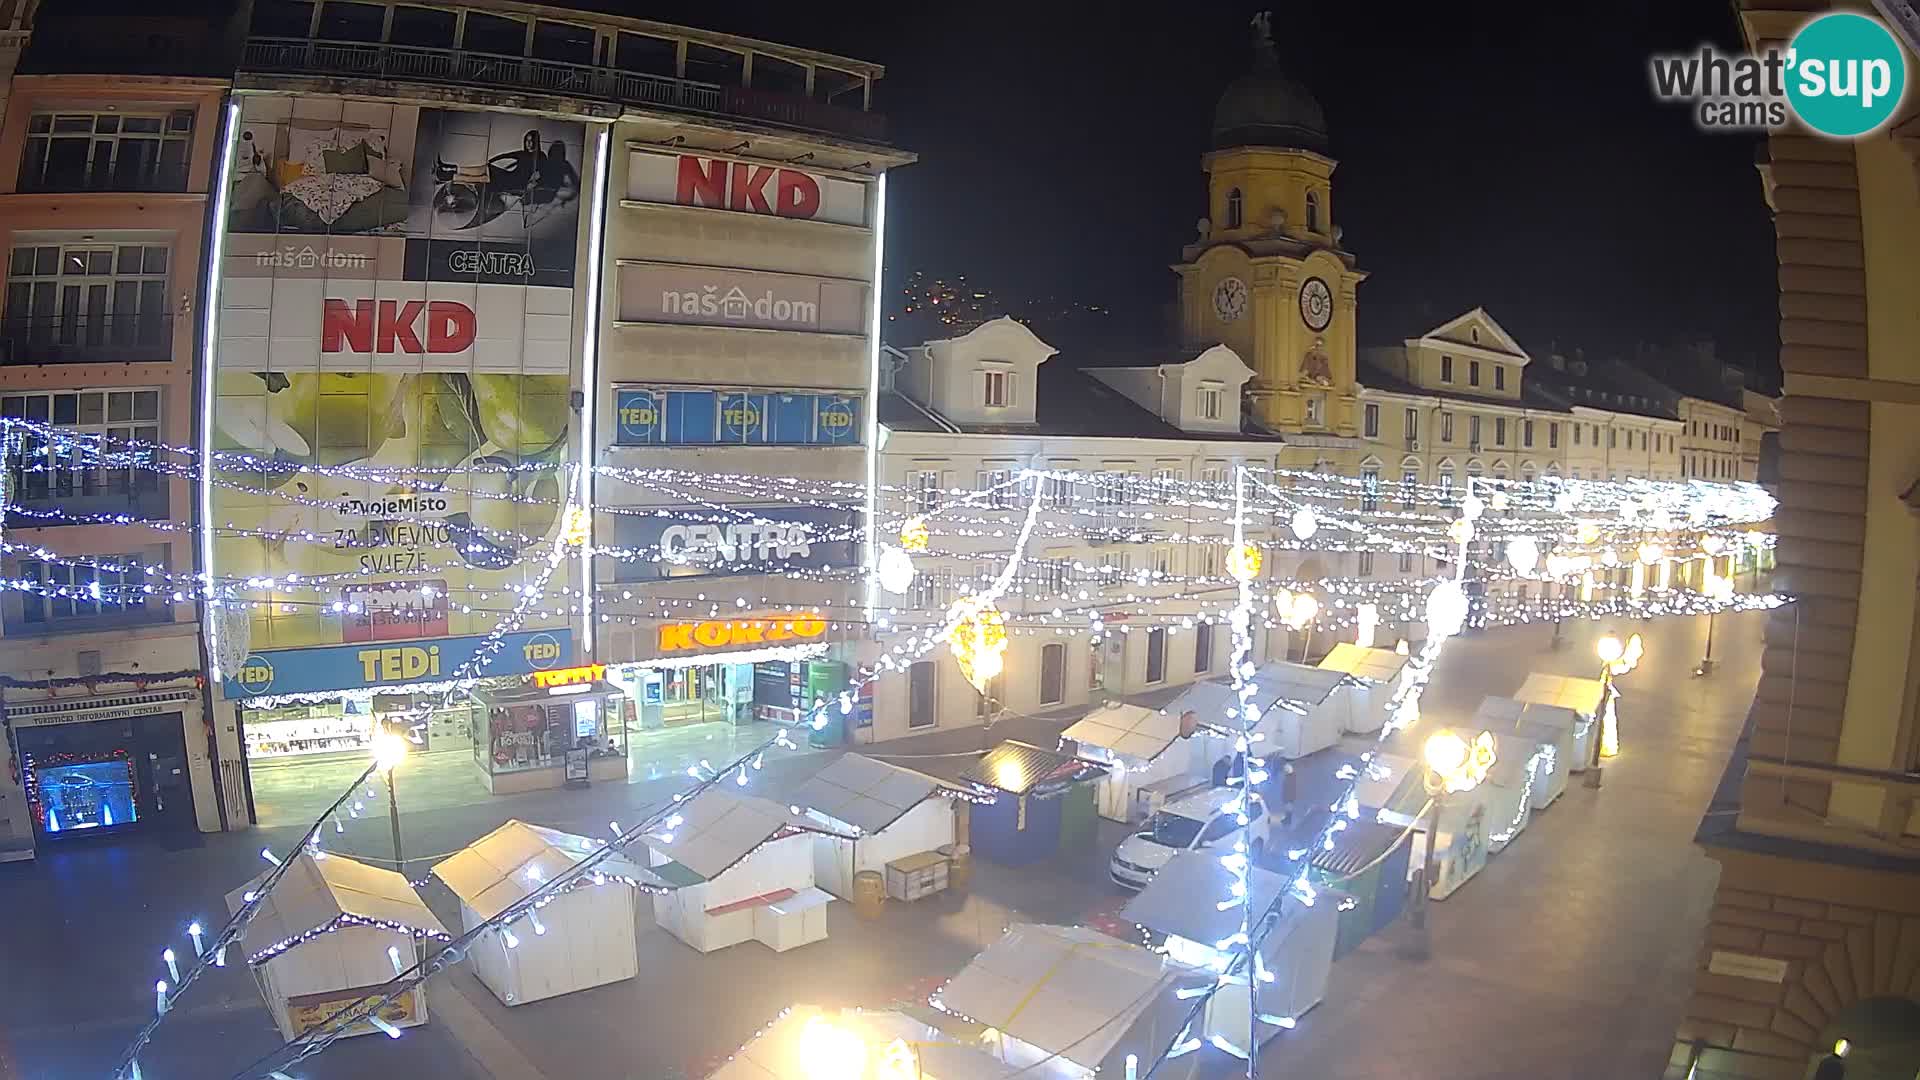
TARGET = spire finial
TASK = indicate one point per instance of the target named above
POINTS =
(1262, 23)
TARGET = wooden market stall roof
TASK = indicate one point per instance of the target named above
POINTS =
(1581, 695)
(501, 868)
(1511, 714)
(1133, 731)
(718, 828)
(1379, 665)
(866, 793)
(330, 892)
(1183, 898)
(1019, 768)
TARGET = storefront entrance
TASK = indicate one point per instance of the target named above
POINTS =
(721, 693)
(103, 777)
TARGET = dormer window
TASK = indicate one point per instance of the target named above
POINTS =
(1209, 403)
(996, 389)
(1313, 211)
(1236, 209)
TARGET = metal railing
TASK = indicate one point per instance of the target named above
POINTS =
(458, 66)
(86, 339)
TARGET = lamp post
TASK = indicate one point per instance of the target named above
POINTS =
(1451, 764)
(1616, 658)
(389, 750)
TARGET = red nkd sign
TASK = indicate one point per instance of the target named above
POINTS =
(388, 326)
(736, 185)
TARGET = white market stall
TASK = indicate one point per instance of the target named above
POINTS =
(1300, 708)
(1393, 790)
(581, 938)
(1155, 754)
(1389, 788)
(1377, 675)
(878, 814)
(1509, 788)
(328, 936)
(1582, 697)
(739, 868)
(1182, 902)
(1069, 1002)
(1549, 726)
(810, 1043)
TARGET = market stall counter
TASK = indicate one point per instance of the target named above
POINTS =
(878, 814)
(558, 728)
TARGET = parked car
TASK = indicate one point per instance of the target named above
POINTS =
(1194, 822)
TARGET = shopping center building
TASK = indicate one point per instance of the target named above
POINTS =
(463, 253)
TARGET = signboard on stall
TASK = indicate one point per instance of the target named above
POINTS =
(348, 667)
(311, 1011)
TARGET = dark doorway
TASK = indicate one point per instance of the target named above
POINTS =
(108, 777)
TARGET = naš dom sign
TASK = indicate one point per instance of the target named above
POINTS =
(717, 634)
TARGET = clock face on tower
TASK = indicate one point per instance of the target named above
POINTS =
(1316, 304)
(1229, 298)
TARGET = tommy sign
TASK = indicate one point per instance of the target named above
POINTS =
(744, 187)
(719, 296)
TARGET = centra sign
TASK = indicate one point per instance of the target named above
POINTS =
(716, 634)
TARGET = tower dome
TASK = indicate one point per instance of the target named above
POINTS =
(1266, 108)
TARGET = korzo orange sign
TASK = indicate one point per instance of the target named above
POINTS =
(677, 637)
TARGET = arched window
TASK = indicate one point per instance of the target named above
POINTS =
(1313, 211)
(1235, 209)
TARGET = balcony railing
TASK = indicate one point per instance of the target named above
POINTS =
(66, 181)
(87, 339)
(301, 56)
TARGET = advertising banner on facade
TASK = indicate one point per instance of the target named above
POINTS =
(744, 187)
(397, 297)
(720, 296)
(707, 417)
(781, 537)
(350, 667)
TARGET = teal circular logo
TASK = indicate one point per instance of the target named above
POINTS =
(1846, 74)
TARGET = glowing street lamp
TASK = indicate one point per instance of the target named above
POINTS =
(1453, 765)
(1616, 658)
(389, 750)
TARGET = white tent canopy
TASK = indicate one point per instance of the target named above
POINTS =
(719, 828)
(1581, 695)
(1547, 725)
(865, 793)
(796, 1046)
(331, 890)
(1379, 665)
(1068, 991)
(503, 867)
(1377, 674)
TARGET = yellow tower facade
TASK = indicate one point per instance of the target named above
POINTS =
(1267, 275)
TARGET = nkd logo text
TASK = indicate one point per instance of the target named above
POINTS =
(390, 326)
(1843, 75)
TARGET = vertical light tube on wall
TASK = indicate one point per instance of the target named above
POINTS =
(209, 324)
(590, 378)
(872, 549)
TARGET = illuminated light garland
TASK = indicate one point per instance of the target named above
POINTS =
(344, 922)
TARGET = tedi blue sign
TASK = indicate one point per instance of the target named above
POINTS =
(395, 663)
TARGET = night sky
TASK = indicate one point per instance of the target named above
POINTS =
(1507, 155)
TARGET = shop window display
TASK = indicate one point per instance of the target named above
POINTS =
(537, 735)
(75, 792)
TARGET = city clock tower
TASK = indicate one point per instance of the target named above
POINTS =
(1267, 275)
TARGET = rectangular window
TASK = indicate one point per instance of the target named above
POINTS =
(996, 488)
(1446, 369)
(1473, 373)
(1499, 376)
(1316, 410)
(1409, 481)
(925, 487)
(1595, 432)
(1157, 655)
(1214, 475)
(997, 389)
(1370, 488)
(1163, 559)
(1370, 421)
(1059, 492)
(1499, 431)
(86, 476)
(1576, 434)
(1613, 438)
(1406, 562)
(1209, 402)
(1110, 489)
(1053, 674)
(1203, 648)
(1209, 560)
(88, 302)
(1553, 436)
(107, 151)
(929, 592)
(1413, 427)
(1446, 481)
(1473, 432)
(88, 592)
(1526, 433)
(1366, 564)
(1446, 427)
